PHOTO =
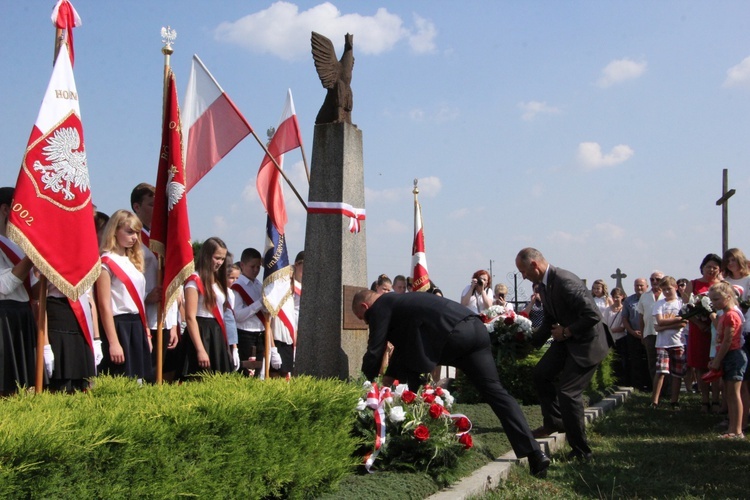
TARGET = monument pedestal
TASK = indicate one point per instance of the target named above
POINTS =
(331, 342)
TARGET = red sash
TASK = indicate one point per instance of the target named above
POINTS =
(247, 299)
(130, 287)
(80, 315)
(15, 259)
(288, 324)
(218, 316)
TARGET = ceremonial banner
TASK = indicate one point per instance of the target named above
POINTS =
(170, 226)
(52, 218)
(277, 282)
(286, 138)
(214, 124)
(420, 277)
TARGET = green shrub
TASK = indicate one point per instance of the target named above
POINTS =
(516, 377)
(224, 437)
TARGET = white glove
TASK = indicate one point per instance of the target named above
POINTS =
(98, 354)
(49, 360)
(275, 358)
(235, 359)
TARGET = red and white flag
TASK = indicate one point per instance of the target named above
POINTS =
(65, 17)
(214, 124)
(286, 138)
(52, 218)
(170, 227)
(419, 275)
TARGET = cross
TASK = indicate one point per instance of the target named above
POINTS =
(619, 275)
(723, 202)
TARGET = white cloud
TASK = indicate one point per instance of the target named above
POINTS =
(458, 214)
(429, 187)
(561, 237)
(610, 231)
(619, 71)
(532, 108)
(417, 114)
(590, 155)
(220, 223)
(284, 31)
(443, 113)
(739, 74)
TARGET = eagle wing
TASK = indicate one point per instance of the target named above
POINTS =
(326, 64)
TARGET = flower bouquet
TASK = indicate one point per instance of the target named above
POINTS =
(509, 332)
(409, 430)
(698, 305)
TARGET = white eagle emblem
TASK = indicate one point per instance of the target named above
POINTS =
(175, 190)
(66, 165)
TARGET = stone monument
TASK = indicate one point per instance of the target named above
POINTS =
(331, 340)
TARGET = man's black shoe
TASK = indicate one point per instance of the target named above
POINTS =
(538, 464)
(580, 456)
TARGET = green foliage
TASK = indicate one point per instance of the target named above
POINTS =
(516, 376)
(224, 437)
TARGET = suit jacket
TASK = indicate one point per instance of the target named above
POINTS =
(418, 326)
(569, 303)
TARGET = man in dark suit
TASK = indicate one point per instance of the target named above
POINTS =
(580, 342)
(427, 330)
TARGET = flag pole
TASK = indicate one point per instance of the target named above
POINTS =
(168, 36)
(267, 357)
(304, 162)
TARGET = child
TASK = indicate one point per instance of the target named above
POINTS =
(142, 204)
(613, 317)
(670, 351)
(730, 356)
(230, 322)
(249, 309)
(599, 291)
(382, 285)
(206, 346)
(121, 289)
(17, 324)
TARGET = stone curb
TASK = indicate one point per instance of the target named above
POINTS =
(490, 475)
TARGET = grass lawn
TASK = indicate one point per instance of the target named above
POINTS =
(645, 453)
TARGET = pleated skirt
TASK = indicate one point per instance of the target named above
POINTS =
(74, 359)
(130, 333)
(214, 344)
(17, 345)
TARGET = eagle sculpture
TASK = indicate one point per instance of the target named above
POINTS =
(336, 76)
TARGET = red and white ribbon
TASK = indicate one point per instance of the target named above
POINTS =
(332, 207)
(376, 402)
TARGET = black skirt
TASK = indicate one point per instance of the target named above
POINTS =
(214, 344)
(17, 345)
(132, 337)
(74, 358)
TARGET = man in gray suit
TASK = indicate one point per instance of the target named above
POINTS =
(580, 342)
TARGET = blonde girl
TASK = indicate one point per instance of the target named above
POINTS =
(206, 347)
(121, 289)
(599, 291)
(730, 357)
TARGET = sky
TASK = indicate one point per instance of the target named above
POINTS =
(596, 132)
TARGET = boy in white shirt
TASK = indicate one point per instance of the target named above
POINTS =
(670, 351)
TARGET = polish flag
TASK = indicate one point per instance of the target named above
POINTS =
(214, 124)
(286, 138)
(420, 277)
(52, 218)
(170, 227)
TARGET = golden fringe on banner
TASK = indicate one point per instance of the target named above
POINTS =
(280, 274)
(71, 291)
(173, 289)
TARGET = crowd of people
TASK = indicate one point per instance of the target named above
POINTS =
(217, 324)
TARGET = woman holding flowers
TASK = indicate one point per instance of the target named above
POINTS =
(699, 337)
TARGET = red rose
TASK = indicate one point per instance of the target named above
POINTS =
(439, 391)
(421, 433)
(428, 398)
(466, 440)
(520, 337)
(408, 397)
(463, 424)
(436, 410)
(395, 383)
(509, 320)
